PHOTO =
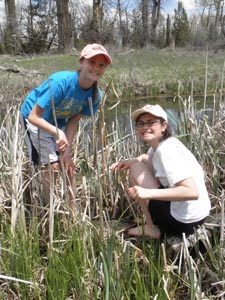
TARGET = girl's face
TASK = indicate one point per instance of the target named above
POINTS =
(92, 69)
(150, 129)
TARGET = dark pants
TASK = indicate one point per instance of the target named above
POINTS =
(161, 216)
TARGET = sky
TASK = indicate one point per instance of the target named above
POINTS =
(189, 5)
(168, 6)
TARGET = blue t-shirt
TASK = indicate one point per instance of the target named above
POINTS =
(63, 92)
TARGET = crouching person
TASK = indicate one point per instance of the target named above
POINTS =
(167, 182)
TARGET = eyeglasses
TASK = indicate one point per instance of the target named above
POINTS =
(149, 123)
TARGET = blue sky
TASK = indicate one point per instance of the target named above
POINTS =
(168, 6)
(189, 5)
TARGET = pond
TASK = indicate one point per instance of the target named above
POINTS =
(118, 124)
(120, 112)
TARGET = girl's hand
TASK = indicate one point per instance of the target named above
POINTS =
(62, 142)
(138, 193)
(122, 165)
(68, 164)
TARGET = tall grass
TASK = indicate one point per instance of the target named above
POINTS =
(90, 256)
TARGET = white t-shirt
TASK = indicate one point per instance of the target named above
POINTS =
(173, 162)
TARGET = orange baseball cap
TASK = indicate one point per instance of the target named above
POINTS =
(95, 49)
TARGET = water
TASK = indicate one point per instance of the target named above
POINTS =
(121, 112)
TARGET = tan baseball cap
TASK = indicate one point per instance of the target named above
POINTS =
(92, 50)
(155, 110)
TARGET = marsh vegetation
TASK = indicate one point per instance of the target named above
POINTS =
(45, 254)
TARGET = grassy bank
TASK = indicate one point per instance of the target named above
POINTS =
(47, 255)
(134, 72)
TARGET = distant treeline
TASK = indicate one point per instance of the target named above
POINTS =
(39, 25)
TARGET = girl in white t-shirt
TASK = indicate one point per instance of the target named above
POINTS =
(168, 182)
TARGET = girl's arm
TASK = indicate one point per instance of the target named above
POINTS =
(182, 191)
(71, 127)
(35, 118)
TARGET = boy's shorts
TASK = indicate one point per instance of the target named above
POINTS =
(161, 216)
(41, 145)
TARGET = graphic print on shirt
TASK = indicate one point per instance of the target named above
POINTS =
(67, 108)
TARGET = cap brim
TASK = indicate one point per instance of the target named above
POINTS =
(137, 113)
(108, 58)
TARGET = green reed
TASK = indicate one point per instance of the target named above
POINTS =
(88, 259)
(91, 257)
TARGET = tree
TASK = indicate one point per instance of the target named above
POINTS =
(137, 29)
(212, 16)
(95, 28)
(223, 26)
(168, 31)
(212, 22)
(145, 23)
(219, 6)
(181, 29)
(122, 35)
(120, 42)
(64, 26)
(40, 25)
(155, 18)
(11, 28)
(97, 19)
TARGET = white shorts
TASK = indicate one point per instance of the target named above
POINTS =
(41, 142)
